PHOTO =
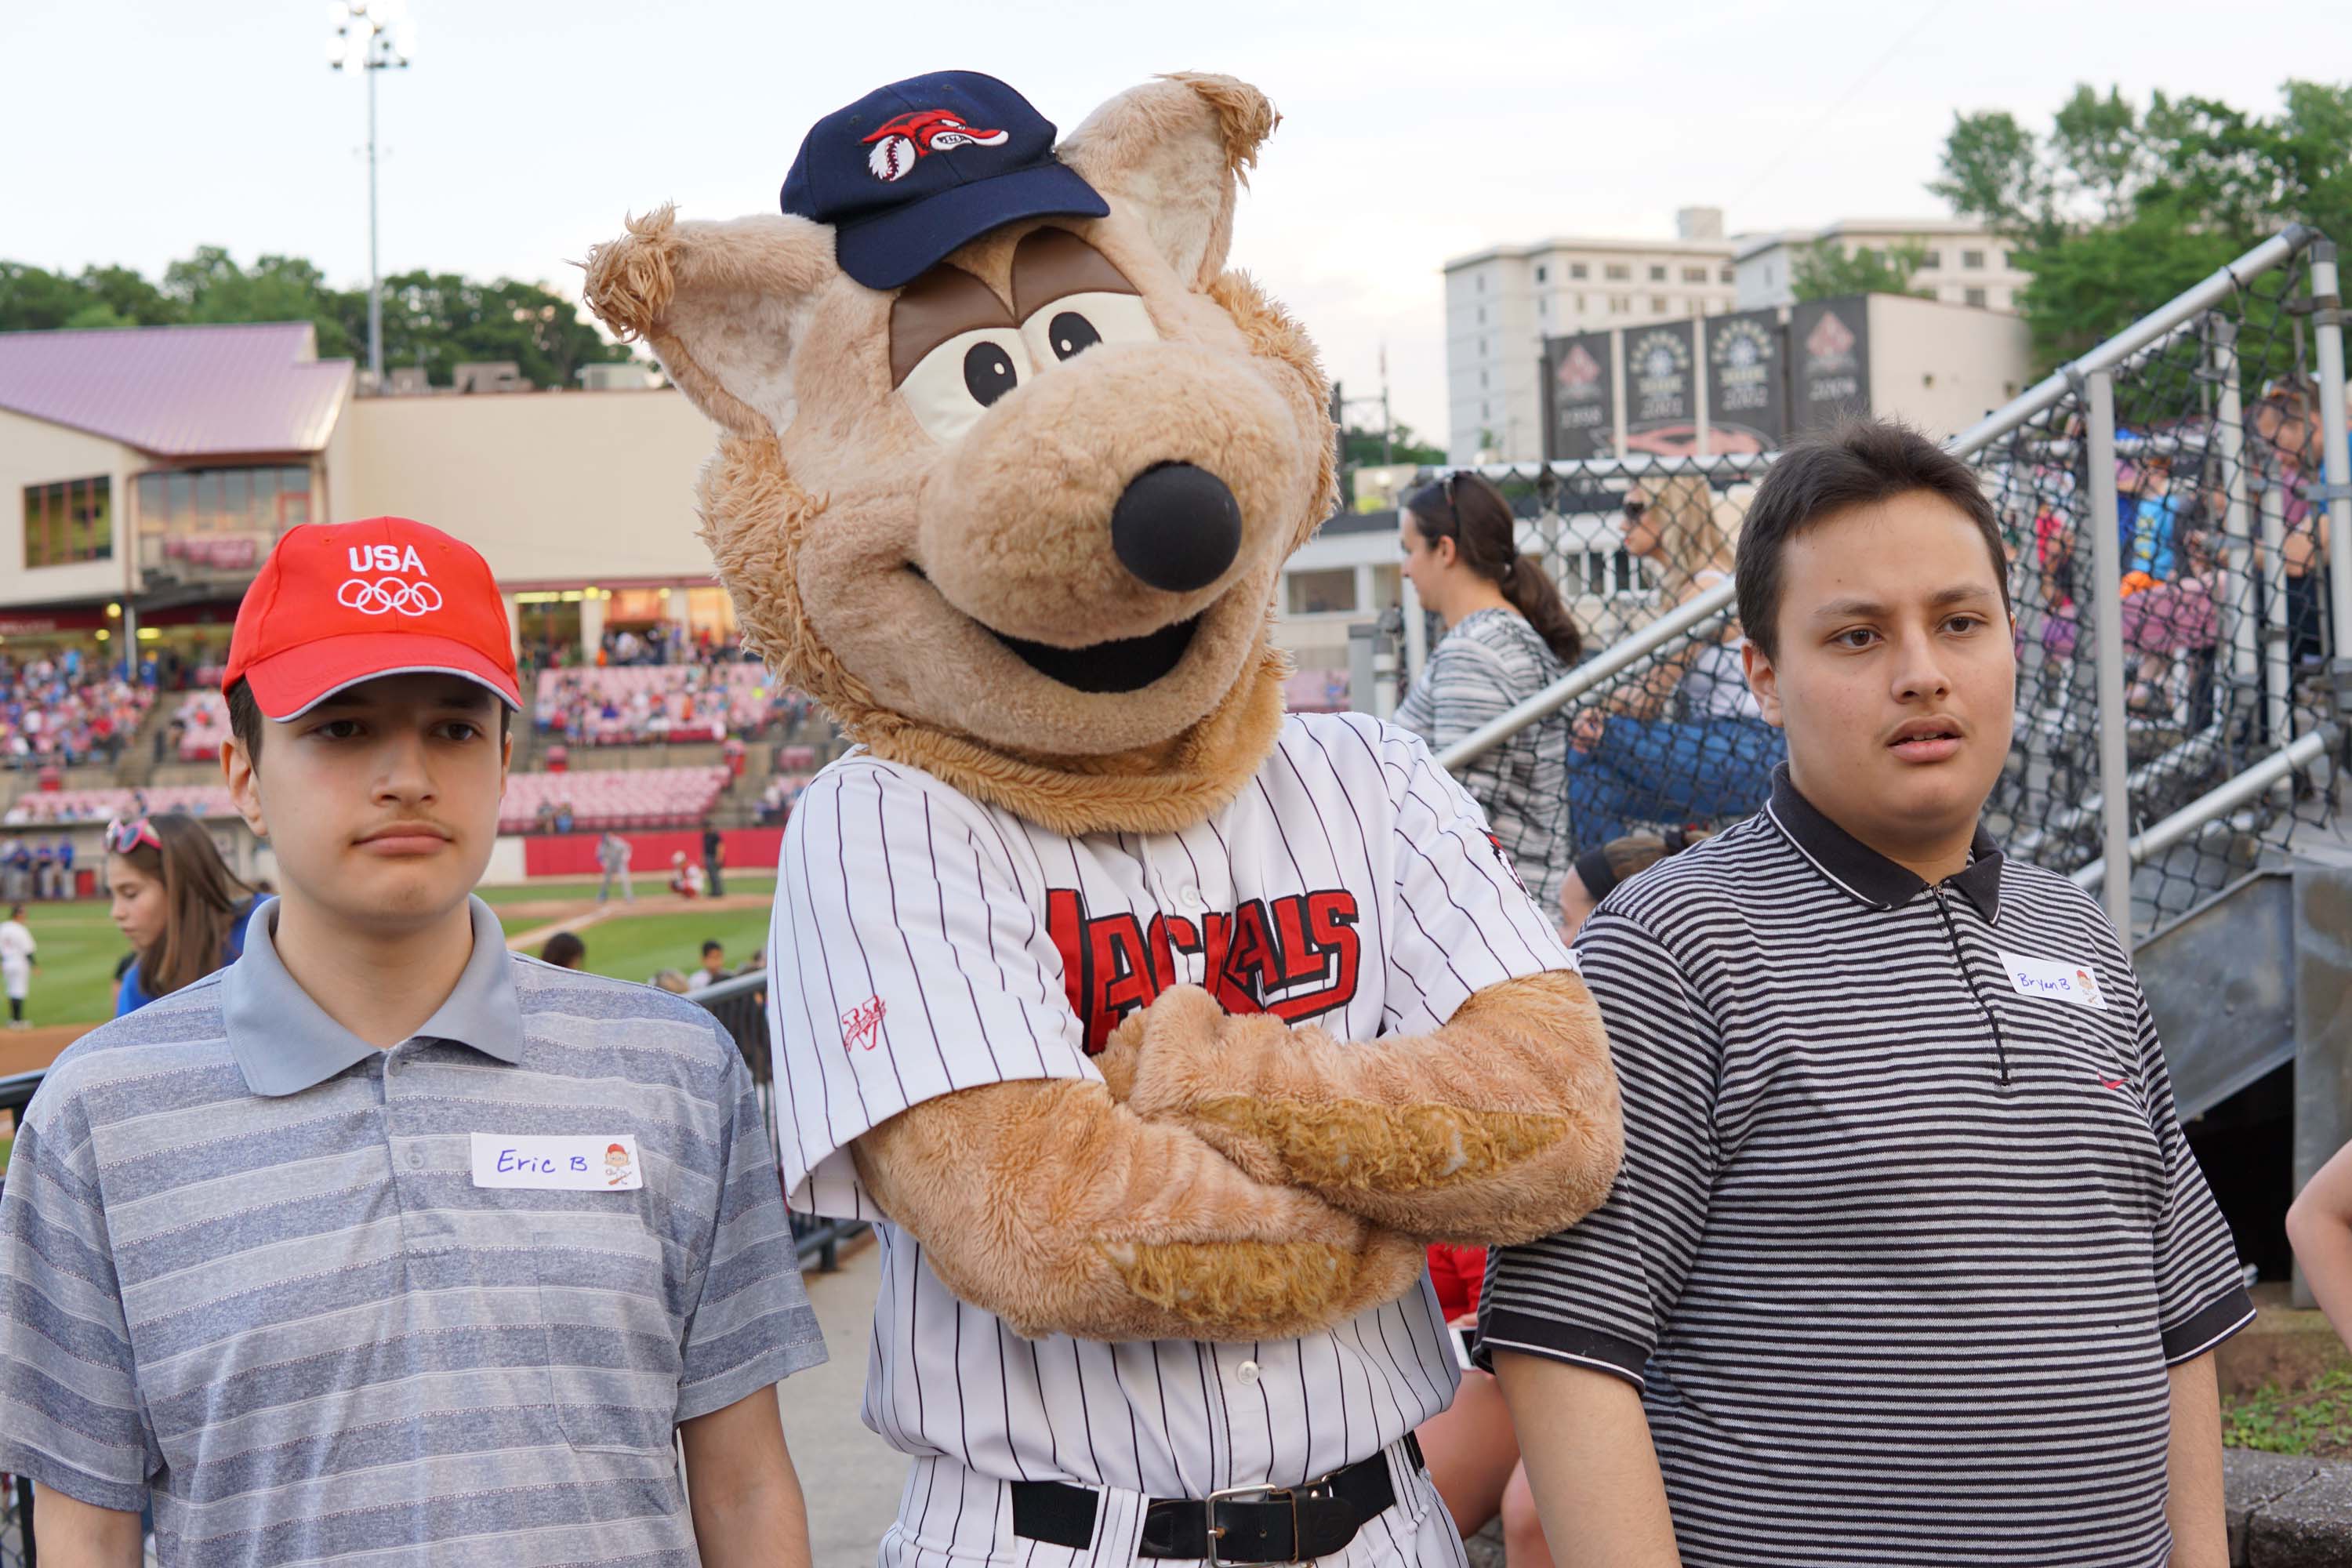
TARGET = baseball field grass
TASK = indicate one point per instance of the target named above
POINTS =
(79, 946)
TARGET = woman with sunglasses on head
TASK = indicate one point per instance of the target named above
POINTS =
(175, 901)
(1508, 636)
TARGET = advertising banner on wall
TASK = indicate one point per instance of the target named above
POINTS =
(1662, 387)
(1747, 382)
(1829, 347)
(1578, 399)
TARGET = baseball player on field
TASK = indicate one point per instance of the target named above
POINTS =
(1156, 1031)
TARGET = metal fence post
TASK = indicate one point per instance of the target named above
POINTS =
(2107, 592)
(1362, 681)
(2277, 671)
(2242, 618)
(2336, 463)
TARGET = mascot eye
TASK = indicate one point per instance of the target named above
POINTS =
(954, 383)
(1076, 322)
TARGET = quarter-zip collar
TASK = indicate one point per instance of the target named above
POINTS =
(1866, 874)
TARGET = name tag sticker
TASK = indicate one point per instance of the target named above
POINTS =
(566, 1164)
(2055, 980)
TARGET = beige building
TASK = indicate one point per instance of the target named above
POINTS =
(1500, 304)
(1966, 263)
(145, 473)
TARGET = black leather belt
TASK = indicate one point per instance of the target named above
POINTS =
(1241, 1525)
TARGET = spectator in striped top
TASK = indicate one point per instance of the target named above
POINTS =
(1508, 636)
(1923, 1268)
(382, 1244)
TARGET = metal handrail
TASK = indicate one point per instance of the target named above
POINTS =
(2223, 798)
(2018, 411)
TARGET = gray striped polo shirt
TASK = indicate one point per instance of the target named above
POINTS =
(247, 1262)
(1492, 662)
(1908, 1231)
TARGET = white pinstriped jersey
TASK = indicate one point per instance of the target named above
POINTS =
(924, 943)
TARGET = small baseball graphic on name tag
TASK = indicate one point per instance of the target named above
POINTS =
(566, 1163)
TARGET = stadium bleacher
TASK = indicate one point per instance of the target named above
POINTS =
(206, 714)
(46, 806)
(613, 797)
(637, 703)
(628, 798)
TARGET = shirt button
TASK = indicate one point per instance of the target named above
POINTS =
(416, 1159)
(1246, 1375)
(1189, 896)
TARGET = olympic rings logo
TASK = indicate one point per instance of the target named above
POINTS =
(390, 593)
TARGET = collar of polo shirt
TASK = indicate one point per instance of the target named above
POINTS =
(1863, 871)
(285, 1043)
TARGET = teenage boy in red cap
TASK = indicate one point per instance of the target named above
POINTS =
(330, 1253)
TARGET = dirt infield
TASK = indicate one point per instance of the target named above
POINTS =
(32, 1050)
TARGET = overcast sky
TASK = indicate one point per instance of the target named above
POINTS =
(135, 130)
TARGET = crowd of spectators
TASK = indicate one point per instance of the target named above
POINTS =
(64, 712)
(640, 704)
(784, 793)
(2172, 522)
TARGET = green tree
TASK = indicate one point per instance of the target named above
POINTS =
(440, 320)
(1363, 447)
(1823, 270)
(33, 299)
(2116, 210)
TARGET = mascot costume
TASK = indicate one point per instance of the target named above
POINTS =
(1156, 1031)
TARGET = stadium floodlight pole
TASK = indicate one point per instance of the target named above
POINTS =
(374, 35)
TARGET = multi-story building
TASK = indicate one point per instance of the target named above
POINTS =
(1965, 264)
(1501, 303)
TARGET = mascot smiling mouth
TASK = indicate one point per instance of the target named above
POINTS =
(1125, 664)
(1121, 664)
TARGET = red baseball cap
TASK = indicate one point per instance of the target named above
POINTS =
(340, 603)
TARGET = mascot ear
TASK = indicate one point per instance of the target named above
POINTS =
(1174, 151)
(718, 303)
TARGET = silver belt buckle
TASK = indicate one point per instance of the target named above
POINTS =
(1268, 1493)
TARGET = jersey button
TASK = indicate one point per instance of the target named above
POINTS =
(1189, 896)
(416, 1159)
(1246, 1374)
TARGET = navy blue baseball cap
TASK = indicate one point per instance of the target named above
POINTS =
(913, 169)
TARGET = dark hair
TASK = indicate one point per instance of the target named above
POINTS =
(1621, 858)
(713, 946)
(245, 722)
(1473, 513)
(563, 950)
(202, 900)
(1860, 462)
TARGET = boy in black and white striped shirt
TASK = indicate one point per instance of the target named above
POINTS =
(1909, 1261)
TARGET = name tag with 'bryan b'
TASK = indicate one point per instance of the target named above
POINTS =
(568, 1163)
(2055, 980)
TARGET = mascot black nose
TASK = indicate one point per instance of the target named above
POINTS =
(1177, 527)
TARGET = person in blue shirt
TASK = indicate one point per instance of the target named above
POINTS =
(176, 902)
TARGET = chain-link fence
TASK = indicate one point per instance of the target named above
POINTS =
(2221, 589)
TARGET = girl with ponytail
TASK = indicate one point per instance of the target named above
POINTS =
(1507, 635)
